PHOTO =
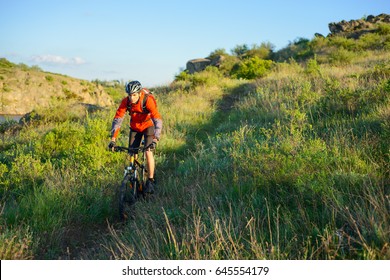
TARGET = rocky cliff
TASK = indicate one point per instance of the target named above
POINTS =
(356, 28)
(349, 29)
(22, 89)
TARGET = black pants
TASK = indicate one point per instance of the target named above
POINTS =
(136, 137)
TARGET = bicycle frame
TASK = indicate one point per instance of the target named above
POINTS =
(133, 180)
(136, 168)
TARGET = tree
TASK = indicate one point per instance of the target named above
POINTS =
(240, 50)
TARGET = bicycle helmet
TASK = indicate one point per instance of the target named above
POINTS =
(133, 87)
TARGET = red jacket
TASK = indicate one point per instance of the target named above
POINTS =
(140, 119)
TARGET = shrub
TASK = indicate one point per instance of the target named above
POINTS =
(182, 76)
(341, 56)
(8, 124)
(15, 244)
(115, 92)
(210, 76)
(319, 43)
(4, 63)
(6, 88)
(343, 43)
(70, 94)
(384, 29)
(300, 49)
(49, 78)
(263, 51)
(217, 53)
(227, 64)
(371, 41)
(240, 50)
(312, 67)
(36, 68)
(251, 68)
(23, 67)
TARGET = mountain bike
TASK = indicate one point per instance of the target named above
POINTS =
(135, 175)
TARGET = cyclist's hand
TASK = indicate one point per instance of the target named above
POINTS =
(111, 146)
(154, 144)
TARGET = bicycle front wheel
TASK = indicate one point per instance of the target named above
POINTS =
(127, 198)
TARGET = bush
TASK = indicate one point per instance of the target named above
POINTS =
(217, 52)
(300, 49)
(251, 68)
(371, 41)
(384, 29)
(263, 51)
(16, 244)
(343, 43)
(240, 50)
(182, 76)
(312, 67)
(341, 56)
(210, 76)
(4, 63)
(227, 64)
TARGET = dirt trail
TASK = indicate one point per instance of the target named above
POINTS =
(91, 242)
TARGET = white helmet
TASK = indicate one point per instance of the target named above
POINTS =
(133, 87)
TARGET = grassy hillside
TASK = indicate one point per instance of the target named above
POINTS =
(24, 89)
(290, 165)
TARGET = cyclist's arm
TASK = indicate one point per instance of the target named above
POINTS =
(118, 119)
(155, 116)
(157, 127)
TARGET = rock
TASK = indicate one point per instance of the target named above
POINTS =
(371, 18)
(356, 28)
(197, 65)
(217, 60)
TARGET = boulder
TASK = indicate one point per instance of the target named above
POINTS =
(217, 60)
(356, 28)
(197, 65)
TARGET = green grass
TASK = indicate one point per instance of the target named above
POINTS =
(290, 166)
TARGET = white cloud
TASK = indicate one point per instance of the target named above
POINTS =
(56, 59)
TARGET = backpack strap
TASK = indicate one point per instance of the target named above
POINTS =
(144, 110)
(143, 104)
(128, 105)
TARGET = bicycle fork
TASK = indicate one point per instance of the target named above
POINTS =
(135, 185)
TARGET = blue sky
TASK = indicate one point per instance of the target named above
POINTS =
(151, 41)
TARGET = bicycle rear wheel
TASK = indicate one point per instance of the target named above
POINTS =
(127, 198)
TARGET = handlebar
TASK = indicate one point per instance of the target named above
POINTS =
(131, 150)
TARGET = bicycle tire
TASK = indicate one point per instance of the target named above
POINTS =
(127, 198)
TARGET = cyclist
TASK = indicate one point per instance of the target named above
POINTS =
(145, 121)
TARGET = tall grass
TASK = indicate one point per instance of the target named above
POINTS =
(295, 169)
(56, 179)
(291, 166)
